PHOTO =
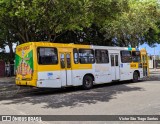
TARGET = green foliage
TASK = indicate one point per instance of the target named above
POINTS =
(133, 23)
(5, 57)
(30, 19)
(101, 22)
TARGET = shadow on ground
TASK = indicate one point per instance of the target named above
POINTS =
(72, 97)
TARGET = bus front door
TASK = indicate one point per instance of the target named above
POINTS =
(65, 63)
(115, 70)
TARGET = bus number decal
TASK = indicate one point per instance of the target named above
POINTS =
(133, 65)
(50, 74)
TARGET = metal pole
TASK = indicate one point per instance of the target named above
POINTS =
(154, 60)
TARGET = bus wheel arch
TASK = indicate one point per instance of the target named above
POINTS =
(88, 80)
(136, 75)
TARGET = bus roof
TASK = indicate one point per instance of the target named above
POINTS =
(44, 43)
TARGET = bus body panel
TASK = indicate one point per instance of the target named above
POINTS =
(24, 65)
(141, 73)
(62, 77)
(125, 71)
(78, 76)
(49, 79)
(102, 73)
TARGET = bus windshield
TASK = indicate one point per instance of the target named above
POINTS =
(136, 56)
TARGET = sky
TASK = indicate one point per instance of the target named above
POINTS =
(150, 50)
(7, 48)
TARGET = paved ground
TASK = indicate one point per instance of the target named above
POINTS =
(123, 98)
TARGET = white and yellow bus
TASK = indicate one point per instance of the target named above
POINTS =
(55, 65)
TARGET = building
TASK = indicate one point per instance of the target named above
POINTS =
(153, 64)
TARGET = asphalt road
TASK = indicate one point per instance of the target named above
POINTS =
(122, 98)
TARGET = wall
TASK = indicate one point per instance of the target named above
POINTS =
(2, 68)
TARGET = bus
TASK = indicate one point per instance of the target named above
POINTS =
(57, 65)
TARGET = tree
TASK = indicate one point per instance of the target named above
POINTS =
(133, 23)
(7, 38)
(43, 19)
(100, 22)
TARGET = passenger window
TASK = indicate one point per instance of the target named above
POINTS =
(102, 56)
(136, 56)
(86, 56)
(126, 56)
(47, 56)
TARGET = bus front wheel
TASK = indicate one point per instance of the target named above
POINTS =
(87, 82)
(135, 77)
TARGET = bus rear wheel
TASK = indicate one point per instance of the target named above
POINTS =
(135, 77)
(87, 82)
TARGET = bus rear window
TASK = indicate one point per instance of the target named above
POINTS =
(126, 56)
(47, 56)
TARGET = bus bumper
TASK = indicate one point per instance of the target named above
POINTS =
(26, 83)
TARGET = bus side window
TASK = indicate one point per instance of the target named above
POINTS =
(75, 56)
(86, 56)
(136, 56)
(47, 56)
(98, 56)
(126, 56)
(101, 56)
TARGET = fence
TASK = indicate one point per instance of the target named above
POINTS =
(9, 70)
(2, 68)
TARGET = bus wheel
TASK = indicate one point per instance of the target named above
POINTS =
(135, 77)
(87, 82)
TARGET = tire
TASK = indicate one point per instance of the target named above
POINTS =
(135, 77)
(87, 82)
